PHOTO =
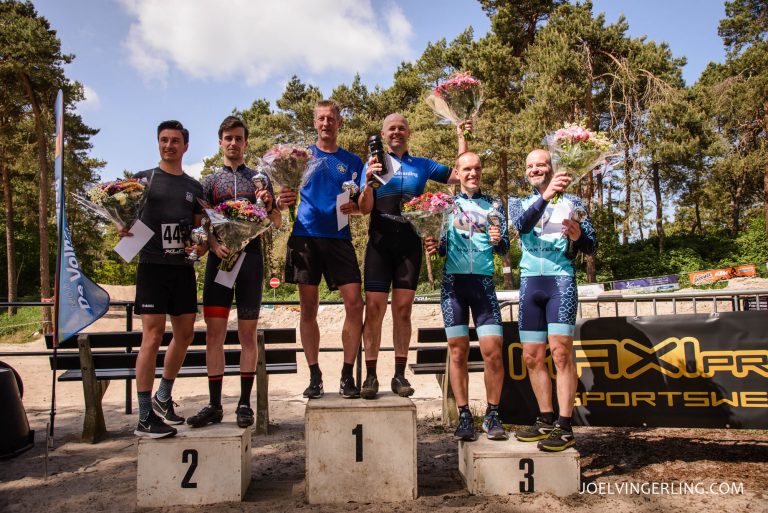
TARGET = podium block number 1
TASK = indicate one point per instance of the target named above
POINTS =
(191, 455)
(527, 485)
(358, 432)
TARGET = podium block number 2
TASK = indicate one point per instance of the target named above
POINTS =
(358, 432)
(191, 456)
(526, 486)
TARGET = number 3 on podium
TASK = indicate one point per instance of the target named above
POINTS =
(527, 485)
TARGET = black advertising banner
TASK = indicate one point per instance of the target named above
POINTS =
(699, 370)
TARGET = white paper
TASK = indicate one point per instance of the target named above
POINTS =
(393, 166)
(129, 247)
(342, 220)
(554, 216)
(227, 278)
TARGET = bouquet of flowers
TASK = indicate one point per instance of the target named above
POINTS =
(576, 150)
(289, 166)
(427, 213)
(457, 99)
(119, 201)
(235, 223)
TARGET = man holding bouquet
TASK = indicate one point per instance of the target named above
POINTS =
(233, 181)
(476, 230)
(317, 248)
(165, 278)
(393, 254)
(548, 294)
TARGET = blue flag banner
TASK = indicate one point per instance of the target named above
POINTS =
(79, 301)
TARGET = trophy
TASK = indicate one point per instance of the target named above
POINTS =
(259, 181)
(352, 187)
(197, 236)
(578, 214)
(376, 150)
(493, 216)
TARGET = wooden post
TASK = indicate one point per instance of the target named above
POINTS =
(94, 427)
(450, 415)
(262, 387)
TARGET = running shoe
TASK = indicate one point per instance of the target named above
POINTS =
(210, 414)
(559, 439)
(539, 431)
(401, 386)
(154, 427)
(370, 388)
(466, 429)
(314, 390)
(164, 410)
(348, 389)
(492, 426)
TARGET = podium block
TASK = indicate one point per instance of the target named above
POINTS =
(360, 451)
(509, 467)
(197, 466)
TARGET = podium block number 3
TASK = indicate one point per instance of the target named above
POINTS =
(189, 455)
(358, 432)
(526, 486)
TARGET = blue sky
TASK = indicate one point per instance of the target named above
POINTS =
(143, 61)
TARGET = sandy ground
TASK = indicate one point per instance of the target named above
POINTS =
(102, 477)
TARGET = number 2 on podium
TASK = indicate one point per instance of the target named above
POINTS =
(358, 432)
(191, 455)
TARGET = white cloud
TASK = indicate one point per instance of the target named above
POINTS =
(256, 40)
(194, 170)
(91, 101)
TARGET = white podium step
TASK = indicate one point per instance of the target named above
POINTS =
(510, 467)
(360, 451)
(197, 466)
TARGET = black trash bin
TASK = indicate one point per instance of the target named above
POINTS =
(15, 435)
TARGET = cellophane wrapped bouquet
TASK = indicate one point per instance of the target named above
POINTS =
(235, 223)
(577, 151)
(289, 166)
(457, 100)
(119, 201)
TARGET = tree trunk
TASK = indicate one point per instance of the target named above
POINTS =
(765, 172)
(599, 180)
(590, 259)
(504, 189)
(641, 217)
(42, 161)
(659, 206)
(627, 197)
(736, 210)
(10, 244)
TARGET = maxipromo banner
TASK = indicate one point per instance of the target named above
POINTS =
(699, 370)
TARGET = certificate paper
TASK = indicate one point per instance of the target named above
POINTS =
(227, 278)
(129, 247)
(342, 220)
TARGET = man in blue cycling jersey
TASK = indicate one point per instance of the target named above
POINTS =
(476, 230)
(548, 294)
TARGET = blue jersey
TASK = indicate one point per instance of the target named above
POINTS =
(316, 211)
(407, 182)
(543, 244)
(466, 242)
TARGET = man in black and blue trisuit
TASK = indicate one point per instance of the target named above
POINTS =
(476, 230)
(318, 248)
(232, 181)
(548, 294)
(393, 253)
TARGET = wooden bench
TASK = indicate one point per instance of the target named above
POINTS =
(434, 359)
(106, 356)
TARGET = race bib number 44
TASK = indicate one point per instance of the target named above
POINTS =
(171, 236)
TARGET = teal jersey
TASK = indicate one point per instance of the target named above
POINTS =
(465, 242)
(539, 224)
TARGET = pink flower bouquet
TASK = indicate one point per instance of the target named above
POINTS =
(576, 150)
(289, 166)
(457, 99)
(119, 201)
(235, 223)
(428, 213)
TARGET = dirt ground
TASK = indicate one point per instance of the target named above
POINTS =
(102, 477)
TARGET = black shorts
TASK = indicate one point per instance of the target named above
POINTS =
(217, 299)
(310, 258)
(392, 259)
(165, 289)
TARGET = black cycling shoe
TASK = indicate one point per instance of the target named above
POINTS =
(244, 415)
(370, 388)
(154, 427)
(347, 388)
(314, 390)
(164, 410)
(539, 431)
(559, 439)
(401, 386)
(208, 415)
(466, 429)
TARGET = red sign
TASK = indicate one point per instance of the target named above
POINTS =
(274, 282)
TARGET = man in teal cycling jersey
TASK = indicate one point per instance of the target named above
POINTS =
(549, 238)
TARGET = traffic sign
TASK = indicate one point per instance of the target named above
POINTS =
(274, 282)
